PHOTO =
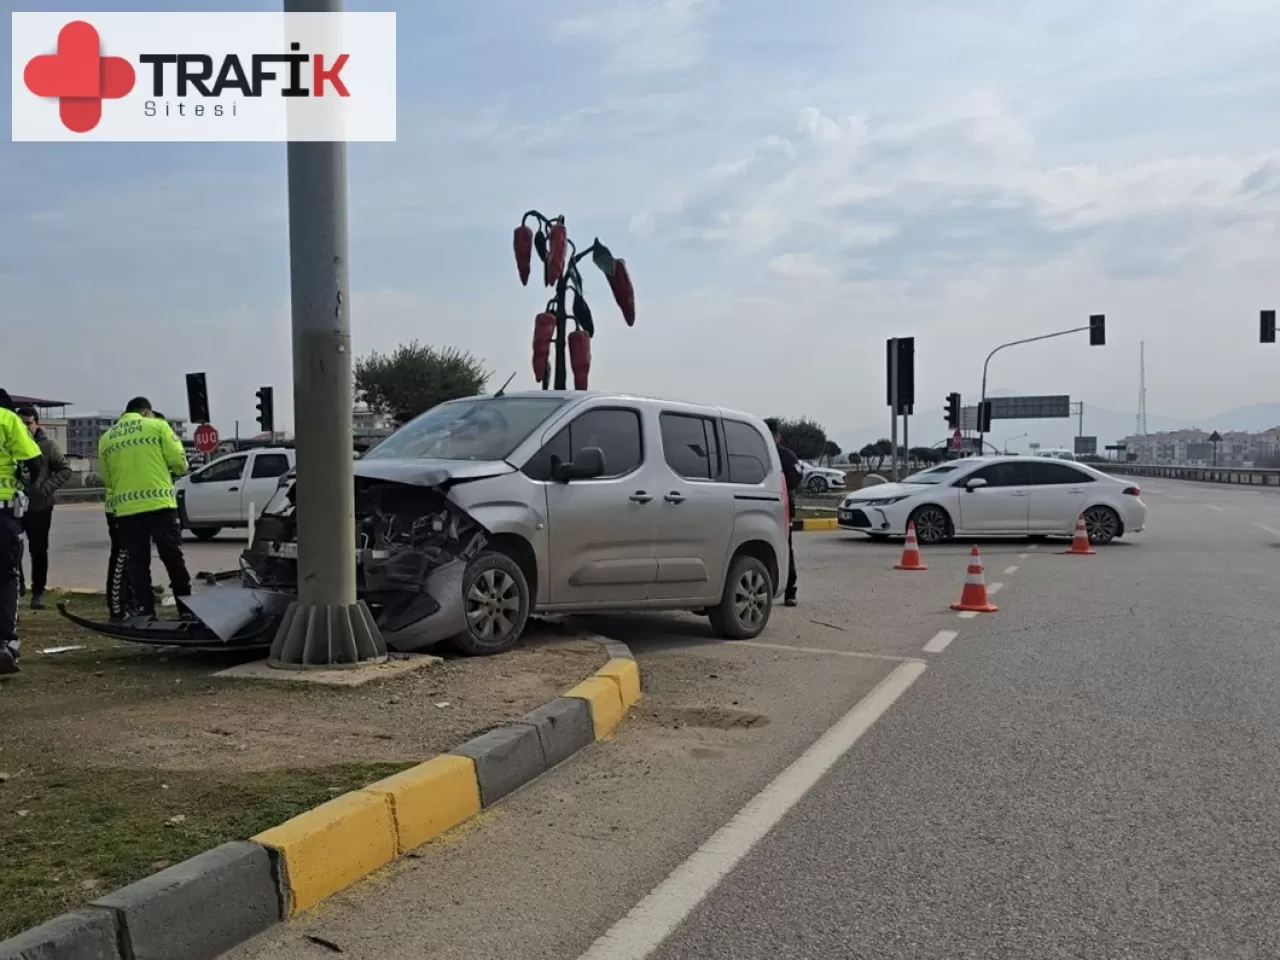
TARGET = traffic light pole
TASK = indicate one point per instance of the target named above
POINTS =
(327, 626)
(893, 411)
(986, 363)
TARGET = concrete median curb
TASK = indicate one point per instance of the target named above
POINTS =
(204, 906)
(809, 524)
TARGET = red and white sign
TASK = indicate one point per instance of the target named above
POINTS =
(957, 440)
(169, 76)
(206, 438)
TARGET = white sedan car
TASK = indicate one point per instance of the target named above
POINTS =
(820, 479)
(998, 496)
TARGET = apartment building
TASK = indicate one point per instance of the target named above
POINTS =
(1194, 448)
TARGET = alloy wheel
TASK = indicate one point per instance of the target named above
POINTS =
(493, 605)
(751, 599)
(1102, 524)
(931, 525)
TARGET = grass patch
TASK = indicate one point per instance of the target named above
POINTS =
(70, 831)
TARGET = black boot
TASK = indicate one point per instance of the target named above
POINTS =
(37, 599)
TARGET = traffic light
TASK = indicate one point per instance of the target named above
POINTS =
(266, 410)
(1268, 326)
(197, 398)
(906, 356)
(953, 410)
(984, 416)
(1098, 330)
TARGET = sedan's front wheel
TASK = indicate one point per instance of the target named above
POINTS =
(932, 524)
(818, 484)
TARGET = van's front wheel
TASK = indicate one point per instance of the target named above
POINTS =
(744, 607)
(495, 598)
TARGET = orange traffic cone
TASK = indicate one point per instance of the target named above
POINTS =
(910, 552)
(1080, 542)
(974, 595)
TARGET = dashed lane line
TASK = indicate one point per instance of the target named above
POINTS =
(1214, 506)
(967, 614)
(823, 650)
(1010, 571)
(995, 588)
(941, 640)
(1023, 556)
(653, 919)
(1271, 530)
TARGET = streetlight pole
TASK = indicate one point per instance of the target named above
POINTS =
(1012, 343)
(327, 626)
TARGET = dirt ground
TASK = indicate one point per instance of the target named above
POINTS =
(116, 759)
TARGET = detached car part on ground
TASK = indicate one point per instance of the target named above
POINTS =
(456, 549)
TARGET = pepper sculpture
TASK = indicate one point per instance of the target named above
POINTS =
(560, 259)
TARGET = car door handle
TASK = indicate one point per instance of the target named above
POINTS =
(675, 496)
(641, 496)
(1019, 493)
(1076, 490)
(232, 489)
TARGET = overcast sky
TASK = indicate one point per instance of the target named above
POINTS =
(790, 183)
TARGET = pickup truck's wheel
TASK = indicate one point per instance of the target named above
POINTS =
(205, 533)
(744, 607)
(495, 597)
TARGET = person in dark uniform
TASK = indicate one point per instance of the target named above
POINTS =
(790, 471)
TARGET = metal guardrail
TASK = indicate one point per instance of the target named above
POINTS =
(1242, 476)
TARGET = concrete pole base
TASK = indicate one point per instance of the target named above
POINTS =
(327, 637)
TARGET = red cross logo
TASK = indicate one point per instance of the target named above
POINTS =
(79, 76)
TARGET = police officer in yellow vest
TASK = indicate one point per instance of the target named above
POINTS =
(19, 469)
(138, 459)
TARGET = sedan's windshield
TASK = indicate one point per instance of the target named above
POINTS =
(933, 475)
(481, 428)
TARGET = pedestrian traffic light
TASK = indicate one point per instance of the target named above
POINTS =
(953, 410)
(984, 416)
(197, 398)
(266, 410)
(1098, 330)
(1268, 326)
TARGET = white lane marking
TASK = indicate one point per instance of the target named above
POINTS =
(1214, 506)
(994, 588)
(967, 614)
(941, 640)
(1034, 546)
(1023, 556)
(652, 920)
(1009, 571)
(834, 653)
(1271, 530)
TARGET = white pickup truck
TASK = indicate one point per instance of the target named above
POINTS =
(222, 493)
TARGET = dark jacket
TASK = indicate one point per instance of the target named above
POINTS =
(55, 472)
(790, 471)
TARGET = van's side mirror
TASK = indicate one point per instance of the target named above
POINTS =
(588, 465)
(975, 483)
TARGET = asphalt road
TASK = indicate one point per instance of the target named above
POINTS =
(1092, 772)
(79, 549)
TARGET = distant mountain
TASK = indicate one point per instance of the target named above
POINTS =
(1108, 426)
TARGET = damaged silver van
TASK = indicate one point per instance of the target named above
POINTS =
(484, 510)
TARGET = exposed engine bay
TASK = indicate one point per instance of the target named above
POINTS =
(413, 545)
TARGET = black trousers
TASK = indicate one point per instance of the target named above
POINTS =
(791, 569)
(139, 531)
(10, 573)
(119, 593)
(36, 525)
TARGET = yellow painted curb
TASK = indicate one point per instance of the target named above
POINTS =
(626, 675)
(819, 523)
(604, 697)
(430, 798)
(331, 847)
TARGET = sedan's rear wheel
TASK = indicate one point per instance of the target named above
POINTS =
(932, 524)
(818, 484)
(1102, 524)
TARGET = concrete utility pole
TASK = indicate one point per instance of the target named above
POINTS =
(326, 627)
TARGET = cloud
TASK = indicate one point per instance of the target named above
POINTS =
(959, 188)
(644, 36)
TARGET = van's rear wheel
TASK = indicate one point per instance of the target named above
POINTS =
(744, 607)
(495, 598)
(205, 533)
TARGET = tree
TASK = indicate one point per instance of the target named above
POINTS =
(806, 438)
(416, 377)
(926, 455)
(854, 459)
(831, 450)
(560, 258)
(876, 452)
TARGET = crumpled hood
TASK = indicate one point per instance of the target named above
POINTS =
(430, 473)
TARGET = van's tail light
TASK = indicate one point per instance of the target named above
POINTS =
(1133, 491)
(786, 504)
